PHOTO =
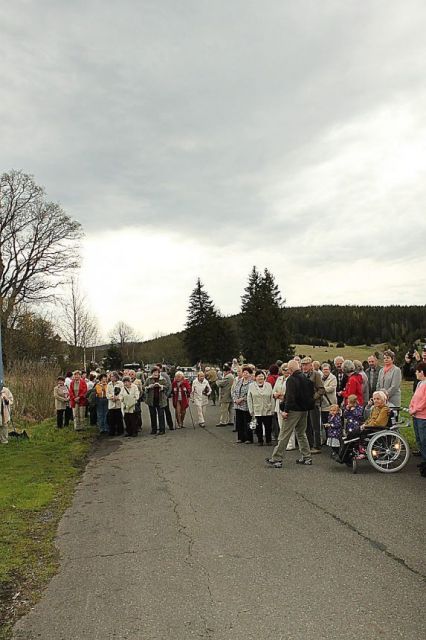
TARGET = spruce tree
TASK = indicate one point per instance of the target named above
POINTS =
(199, 328)
(264, 335)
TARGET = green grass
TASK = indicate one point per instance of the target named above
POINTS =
(37, 480)
(406, 395)
(359, 352)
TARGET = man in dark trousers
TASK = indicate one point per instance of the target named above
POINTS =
(341, 377)
(372, 372)
(298, 401)
(314, 415)
(167, 412)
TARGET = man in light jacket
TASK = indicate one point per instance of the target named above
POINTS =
(225, 396)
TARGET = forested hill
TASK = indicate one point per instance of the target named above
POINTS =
(398, 326)
(357, 325)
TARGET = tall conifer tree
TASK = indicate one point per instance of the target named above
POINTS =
(264, 335)
(208, 336)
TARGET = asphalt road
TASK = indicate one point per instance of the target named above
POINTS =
(191, 536)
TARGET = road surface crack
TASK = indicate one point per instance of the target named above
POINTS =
(374, 543)
(190, 560)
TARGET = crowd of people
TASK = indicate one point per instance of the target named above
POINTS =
(113, 400)
(297, 404)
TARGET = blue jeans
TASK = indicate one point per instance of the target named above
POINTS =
(101, 413)
(420, 432)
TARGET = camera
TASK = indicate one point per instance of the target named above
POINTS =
(117, 391)
(412, 350)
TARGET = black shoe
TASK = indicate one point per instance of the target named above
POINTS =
(161, 433)
(153, 433)
(277, 464)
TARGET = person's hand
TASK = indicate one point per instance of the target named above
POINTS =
(284, 414)
(417, 355)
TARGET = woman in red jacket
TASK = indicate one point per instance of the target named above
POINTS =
(181, 390)
(78, 401)
(353, 385)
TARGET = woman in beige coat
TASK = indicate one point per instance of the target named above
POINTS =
(200, 393)
(6, 401)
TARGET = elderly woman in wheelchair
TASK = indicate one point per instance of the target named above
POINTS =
(378, 440)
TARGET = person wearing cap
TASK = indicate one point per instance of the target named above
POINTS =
(314, 416)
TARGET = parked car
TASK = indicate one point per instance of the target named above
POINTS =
(190, 373)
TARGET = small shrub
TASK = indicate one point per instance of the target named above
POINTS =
(31, 384)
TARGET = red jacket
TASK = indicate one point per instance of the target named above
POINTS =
(272, 378)
(354, 387)
(186, 392)
(82, 390)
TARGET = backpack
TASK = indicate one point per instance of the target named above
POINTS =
(305, 393)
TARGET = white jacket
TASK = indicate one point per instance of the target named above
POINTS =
(330, 386)
(114, 404)
(130, 397)
(279, 387)
(6, 400)
(200, 392)
(259, 399)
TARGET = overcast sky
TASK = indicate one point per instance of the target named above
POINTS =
(199, 137)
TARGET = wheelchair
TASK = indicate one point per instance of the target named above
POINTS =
(385, 449)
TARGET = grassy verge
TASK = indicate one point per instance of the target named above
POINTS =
(37, 480)
(406, 395)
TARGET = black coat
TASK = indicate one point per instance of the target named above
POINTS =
(341, 384)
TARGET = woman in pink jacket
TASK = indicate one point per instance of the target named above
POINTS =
(417, 409)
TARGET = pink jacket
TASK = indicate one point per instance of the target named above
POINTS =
(417, 406)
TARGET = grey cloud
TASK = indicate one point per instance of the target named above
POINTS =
(184, 115)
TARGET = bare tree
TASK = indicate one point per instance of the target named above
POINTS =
(37, 243)
(123, 334)
(78, 327)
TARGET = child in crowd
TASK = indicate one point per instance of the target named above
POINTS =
(352, 415)
(334, 428)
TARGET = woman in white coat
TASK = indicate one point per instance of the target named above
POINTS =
(200, 393)
(261, 405)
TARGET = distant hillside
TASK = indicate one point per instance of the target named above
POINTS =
(353, 325)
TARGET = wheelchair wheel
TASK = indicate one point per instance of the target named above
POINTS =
(388, 451)
(354, 465)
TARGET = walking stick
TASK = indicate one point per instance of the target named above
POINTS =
(190, 413)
